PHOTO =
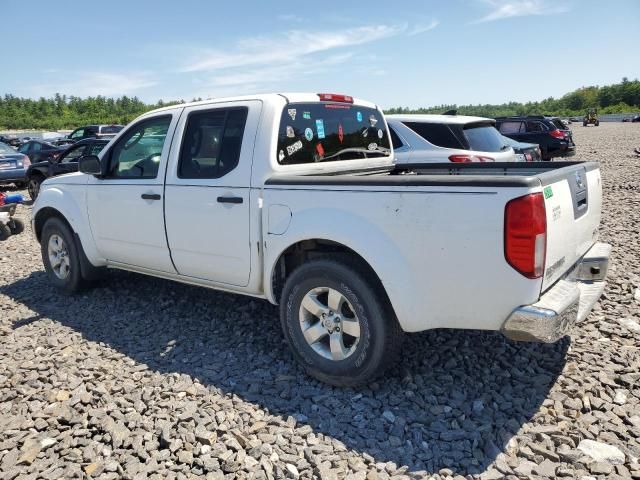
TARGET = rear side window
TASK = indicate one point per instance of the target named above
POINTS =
(558, 124)
(212, 142)
(324, 132)
(437, 134)
(483, 138)
(535, 126)
(510, 127)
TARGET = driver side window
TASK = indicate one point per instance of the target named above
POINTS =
(137, 153)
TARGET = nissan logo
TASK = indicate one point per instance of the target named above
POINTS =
(579, 181)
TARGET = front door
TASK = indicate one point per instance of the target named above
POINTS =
(125, 206)
(207, 201)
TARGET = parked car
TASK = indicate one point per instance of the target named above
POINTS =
(39, 151)
(13, 166)
(11, 141)
(90, 131)
(66, 162)
(554, 139)
(525, 152)
(447, 138)
(296, 199)
(635, 119)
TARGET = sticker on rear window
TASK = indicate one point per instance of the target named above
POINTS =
(290, 132)
(292, 113)
(380, 133)
(291, 149)
(320, 150)
(306, 115)
(308, 134)
(359, 116)
(320, 128)
(372, 146)
(373, 120)
(340, 133)
(548, 192)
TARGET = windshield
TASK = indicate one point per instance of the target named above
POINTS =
(6, 149)
(484, 138)
(324, 132)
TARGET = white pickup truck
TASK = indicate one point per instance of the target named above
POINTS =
(295, 198)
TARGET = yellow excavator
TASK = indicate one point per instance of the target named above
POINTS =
(591, 118)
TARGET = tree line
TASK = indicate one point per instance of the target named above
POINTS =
(66, 112)
(623, 97)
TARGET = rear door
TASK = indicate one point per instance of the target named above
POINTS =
(573, 200)
(207, 194)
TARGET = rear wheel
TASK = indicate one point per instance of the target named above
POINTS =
(338, 324)
(33, 185)
(61, 257)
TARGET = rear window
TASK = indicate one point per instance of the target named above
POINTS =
(110, 129)
(324, 132)
(483, 138)
(438, 134)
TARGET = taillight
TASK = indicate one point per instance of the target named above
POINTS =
(469, 158)
(26, 161)
(528, 157)
(335, 97)
(525, 234)
(557, 134)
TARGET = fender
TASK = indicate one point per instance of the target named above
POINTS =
(356, 233)
(70, 202)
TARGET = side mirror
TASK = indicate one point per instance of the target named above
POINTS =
(89, 164)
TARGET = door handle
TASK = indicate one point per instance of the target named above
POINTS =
(151, 196)
(230, 200)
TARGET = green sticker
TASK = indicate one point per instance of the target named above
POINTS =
(548, 193)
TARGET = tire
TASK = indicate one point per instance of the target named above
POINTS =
(33, 185)
(360, 353)
(16, 226)
(57, 241)
(584, 124)
(5, 232)
(597, 124)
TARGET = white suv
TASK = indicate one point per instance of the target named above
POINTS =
(447, 138)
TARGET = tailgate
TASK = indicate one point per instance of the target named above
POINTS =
(573, 200)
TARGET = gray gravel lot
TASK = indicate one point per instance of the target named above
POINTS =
(144, 378)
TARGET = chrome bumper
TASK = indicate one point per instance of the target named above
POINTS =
(568, 302)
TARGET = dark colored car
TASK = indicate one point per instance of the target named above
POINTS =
(635, 119)
(13, 166)
(39, 151)
(528, 152)
(554, 139)
(66, 162)
(90, 131)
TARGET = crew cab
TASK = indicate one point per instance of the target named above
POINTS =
(296, 199)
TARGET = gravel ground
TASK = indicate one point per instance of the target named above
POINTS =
(144, 378)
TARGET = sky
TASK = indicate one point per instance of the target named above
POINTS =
(394, 53)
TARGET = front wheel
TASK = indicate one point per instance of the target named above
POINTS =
(61, 257)
(339, 324)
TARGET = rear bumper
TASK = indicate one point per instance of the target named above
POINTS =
(14, 174)
(568, 302)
